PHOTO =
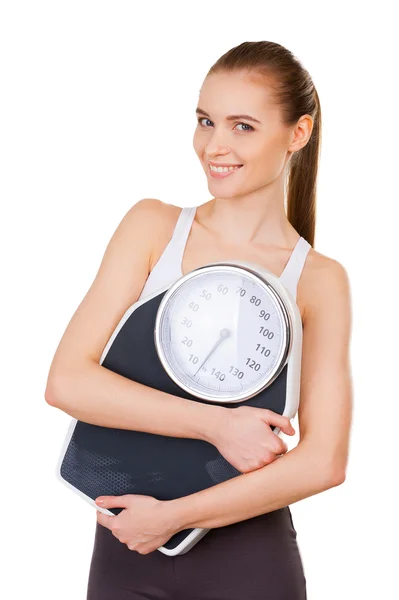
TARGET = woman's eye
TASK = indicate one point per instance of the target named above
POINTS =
(202, 119)
(245, 124)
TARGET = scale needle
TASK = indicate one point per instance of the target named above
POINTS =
(224, 333)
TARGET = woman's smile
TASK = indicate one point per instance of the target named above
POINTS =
(224, 173)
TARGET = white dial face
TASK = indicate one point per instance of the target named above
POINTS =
(222, 333)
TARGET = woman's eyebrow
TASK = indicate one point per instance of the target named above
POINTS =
(199, 111)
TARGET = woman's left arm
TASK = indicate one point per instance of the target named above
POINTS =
(319, 460)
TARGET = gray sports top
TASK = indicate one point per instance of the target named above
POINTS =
(168, 269)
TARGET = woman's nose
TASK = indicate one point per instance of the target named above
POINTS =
(216, 147)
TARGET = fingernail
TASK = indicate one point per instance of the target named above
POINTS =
(99, 500)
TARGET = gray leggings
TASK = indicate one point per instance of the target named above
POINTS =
(255, 559)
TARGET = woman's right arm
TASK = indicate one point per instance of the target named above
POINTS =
(78, 385)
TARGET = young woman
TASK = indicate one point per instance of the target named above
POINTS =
(259, 113)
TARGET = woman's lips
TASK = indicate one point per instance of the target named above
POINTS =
(223, 174)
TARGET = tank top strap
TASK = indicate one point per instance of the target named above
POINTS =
(168, 267)
(182, 230)
(293, 269)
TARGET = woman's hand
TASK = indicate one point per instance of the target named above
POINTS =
(144, 525)
(244, 438)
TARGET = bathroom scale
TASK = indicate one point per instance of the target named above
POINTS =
(227, 333)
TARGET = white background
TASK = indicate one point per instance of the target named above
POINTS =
(97, 109)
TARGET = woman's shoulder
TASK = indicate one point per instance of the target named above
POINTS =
(164, 218)
(158, 209)
(324, 279)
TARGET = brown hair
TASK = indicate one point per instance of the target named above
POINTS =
(294, 91)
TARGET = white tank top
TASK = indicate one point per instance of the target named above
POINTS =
(168, 269)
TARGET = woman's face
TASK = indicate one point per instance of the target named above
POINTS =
(261, 146)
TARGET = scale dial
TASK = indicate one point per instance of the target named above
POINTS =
(222, 332)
